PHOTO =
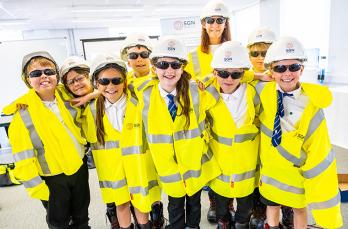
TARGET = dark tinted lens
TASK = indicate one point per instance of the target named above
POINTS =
(220, 20)
(295, 67)
(236, 75)
(257, 53)
(280, 68)
(35, 73)
(223, 74)
(209, 20)
(162, 65)
(49, 72)
(133, 55)
(263, 54)
(117, 81)
(176, 65)
(104, 81)
(144, 54)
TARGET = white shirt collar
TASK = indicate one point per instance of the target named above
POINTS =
(236, 94)
(118, 103)
(297, 92)
(164, 93)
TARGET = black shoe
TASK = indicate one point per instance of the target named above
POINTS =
(211, 215)
(156, 215)
(242, 225)
(287, 217)
(148, 225)
(221, 224)
(112, 216)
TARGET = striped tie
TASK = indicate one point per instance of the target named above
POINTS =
(171, 106)
(277, 130)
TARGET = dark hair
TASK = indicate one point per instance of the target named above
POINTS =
(205, 41)
(101, 99)
(82, 71)
(138, 46)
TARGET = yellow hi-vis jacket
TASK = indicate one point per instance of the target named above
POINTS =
(128, 175)
(236, 149)
(182, 159)
(41, 144)
(199, 66)
(301, 171)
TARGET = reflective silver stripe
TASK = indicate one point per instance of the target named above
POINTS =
(321, 167)
(143, 84)
(143, 190)
(259, 87)
(195, 63)
(133, 100)
(326, 204)
(35, 139)
(282, 186)
(33, 182)
(243, 176)
(256, 99)
(195, 99)
(296, 161)
(191, 173)
(224, 178)
(201, 126)
(108, 145)
(208, 77)
(160, 138)
(206, 157)
(170, 178)
(187, 134)
(70, 108)
(244, 137)
(212, 90)
(131, 150)
(315, 122)
(24, 155)
(92, 106)
(145, 112)
(113, 184)
(222, 140)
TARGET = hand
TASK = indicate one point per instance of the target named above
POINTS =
(264, 76)
(200, 85)
(21, 106)
(80, 101)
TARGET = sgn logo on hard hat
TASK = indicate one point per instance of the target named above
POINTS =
(218, 9)
(171, 46)
(289, 48)
(228, 56)
(259, 35)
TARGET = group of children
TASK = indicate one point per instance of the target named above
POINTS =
(207, 118)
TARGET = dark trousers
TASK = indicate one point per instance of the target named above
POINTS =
(69, 199)
(243, 212)
(176, 211)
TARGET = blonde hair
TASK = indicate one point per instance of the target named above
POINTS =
(260, 45)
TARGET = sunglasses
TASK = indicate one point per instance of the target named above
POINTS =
(283, 68)
(75, 80)
(135, 55)
(219, 20)
(165, 65)
(226, 74)
(38, 73)
(114, 81)
(257, 53)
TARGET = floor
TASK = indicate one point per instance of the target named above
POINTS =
(18, 211)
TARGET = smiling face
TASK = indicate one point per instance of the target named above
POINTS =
(228, 85)
(78, 82)
(168, 77)
(288, 81)
(111, 91)
(44, 85)
(214, 30)
(141, 66)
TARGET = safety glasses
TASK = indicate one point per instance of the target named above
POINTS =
(165, 65)
(257, 53)
(107, 81)
(219, 20)
(135, 55)
(283, 68)
(77, 79)
(226, 74)
(38, 73)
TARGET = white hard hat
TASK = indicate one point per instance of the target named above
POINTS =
(285, 48)
(215, 8)
(231, 54)
(27, 58)
(261, 34)
(134, 40)
(102, 60)
(169, 46)
(73, 62)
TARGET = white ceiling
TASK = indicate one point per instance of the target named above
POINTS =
(62, 14)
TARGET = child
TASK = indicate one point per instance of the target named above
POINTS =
(104, 129)
(235, 136)
(298, 165)
(172, 111)
(48, 147)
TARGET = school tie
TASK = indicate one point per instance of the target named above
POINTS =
(171, 106)
(277, 130)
